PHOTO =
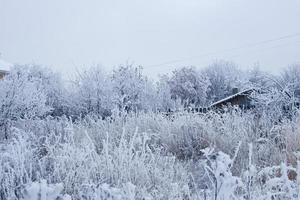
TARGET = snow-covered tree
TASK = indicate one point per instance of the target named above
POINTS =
(275, 97)
(128, 84)
(223, 77)
(93, 93)
(52, 85)
(149, 96)
(256, 78)
(190, 86)
(291, 78)
(164, 96)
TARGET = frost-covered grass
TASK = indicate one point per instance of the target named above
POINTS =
(234, 155)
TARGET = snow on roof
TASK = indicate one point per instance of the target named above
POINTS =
(5, 66)
(232, 96)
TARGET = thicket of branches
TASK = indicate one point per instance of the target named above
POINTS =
(106, 135)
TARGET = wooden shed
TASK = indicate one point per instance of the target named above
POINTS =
(241, 99)
(3, 73)
(4, 68)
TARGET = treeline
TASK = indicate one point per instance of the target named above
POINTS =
(32, 91)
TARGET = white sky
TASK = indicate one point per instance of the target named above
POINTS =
(69, 34)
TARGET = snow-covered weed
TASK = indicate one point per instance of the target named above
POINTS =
(149, 156)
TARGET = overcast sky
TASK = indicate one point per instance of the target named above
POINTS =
(69, 34)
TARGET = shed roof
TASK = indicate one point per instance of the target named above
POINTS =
(5, 66)
(242, 93)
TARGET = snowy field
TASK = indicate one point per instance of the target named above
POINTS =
(120, 135)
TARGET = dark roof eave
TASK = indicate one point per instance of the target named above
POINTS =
(242, 93)
(3, 71)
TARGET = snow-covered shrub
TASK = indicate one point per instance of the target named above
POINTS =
(106, 192)
(274, 183)
(16, 168)
(43, 191)
(21, 96)
(218, 170)
(149, 156)
(63, 152)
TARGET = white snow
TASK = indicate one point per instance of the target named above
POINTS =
(4, 65)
